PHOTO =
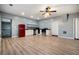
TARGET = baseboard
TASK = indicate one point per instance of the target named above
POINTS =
(76, 38)
(55, 35)
(0, 38)
(14, 36)
(66, 37)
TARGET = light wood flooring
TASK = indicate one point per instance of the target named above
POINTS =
(39, 45)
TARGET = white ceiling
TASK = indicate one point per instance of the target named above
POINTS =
(30, 10)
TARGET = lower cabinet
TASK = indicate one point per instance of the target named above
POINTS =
(29, 32)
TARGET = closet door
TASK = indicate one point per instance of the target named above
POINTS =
(6, 29)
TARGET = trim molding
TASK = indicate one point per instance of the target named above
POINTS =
(76, 38)
(14, 36)
(55, 35)
(66, 37)
(0, 38)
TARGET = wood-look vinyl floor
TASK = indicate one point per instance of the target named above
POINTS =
(39, 45)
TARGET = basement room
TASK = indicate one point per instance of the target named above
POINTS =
(39, 29)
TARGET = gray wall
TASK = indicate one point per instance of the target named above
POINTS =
(62, 24)
(44, 24)
(68, 27)
(16, 20)
(50, 24)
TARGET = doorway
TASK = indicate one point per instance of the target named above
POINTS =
(6, 29)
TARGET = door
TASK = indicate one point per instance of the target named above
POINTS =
(76, 28)
(6, 29)
(54, 28)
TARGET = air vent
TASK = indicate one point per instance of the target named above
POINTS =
(64, 32)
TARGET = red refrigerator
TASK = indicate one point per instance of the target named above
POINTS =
(21, 30)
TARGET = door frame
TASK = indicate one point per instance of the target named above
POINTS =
(10, 26)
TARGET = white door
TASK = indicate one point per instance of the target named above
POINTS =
(54, 28)
(77, 28)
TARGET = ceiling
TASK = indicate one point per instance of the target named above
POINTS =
(32, 11)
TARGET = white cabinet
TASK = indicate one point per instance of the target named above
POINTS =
(47, 32)
(29, 32)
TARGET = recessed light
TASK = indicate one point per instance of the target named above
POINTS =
(38, 18)
(31, 16)
(22, 13)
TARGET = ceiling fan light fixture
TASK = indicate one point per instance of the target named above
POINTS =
(46, 15)
(48, 11)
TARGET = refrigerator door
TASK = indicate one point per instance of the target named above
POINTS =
(21, 30)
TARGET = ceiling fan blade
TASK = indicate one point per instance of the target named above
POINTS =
(53, 11)
(50, 14)
(42, 11)
(43, 14)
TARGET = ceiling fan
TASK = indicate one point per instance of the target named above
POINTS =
(47, 10)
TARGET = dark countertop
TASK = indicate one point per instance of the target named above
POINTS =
(33, 29)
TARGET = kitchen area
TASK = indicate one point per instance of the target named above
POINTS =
(35, 30)
(10, 27)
